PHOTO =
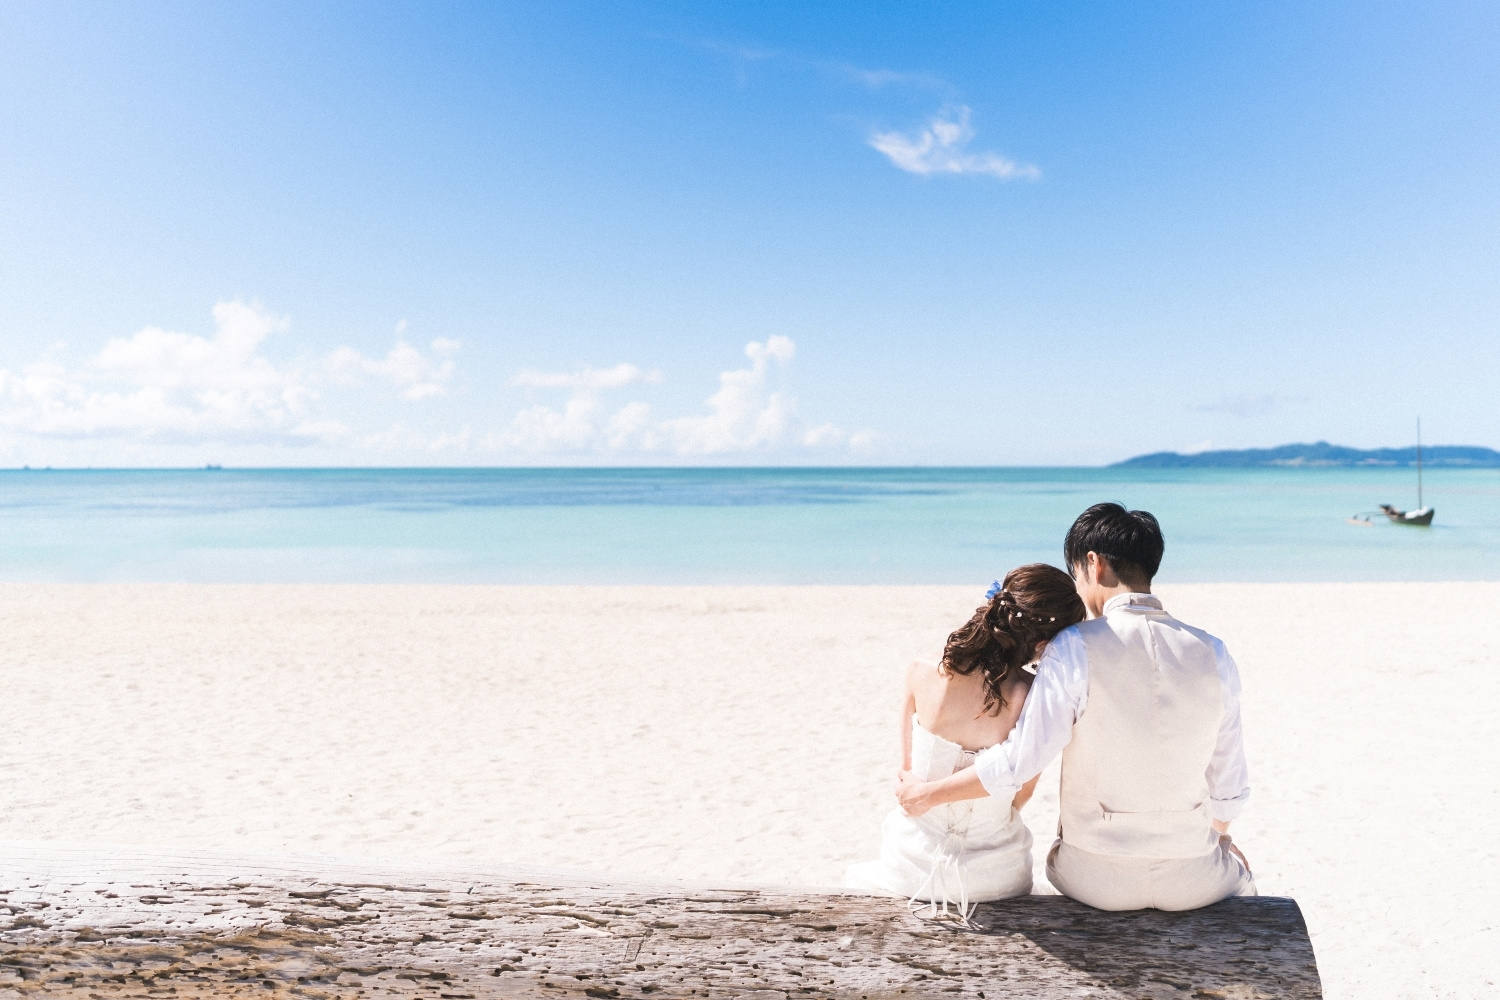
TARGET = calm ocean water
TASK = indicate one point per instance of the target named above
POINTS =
(721, 525)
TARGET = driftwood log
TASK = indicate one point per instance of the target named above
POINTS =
(81, 923)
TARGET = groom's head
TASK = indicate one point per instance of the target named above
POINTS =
(1109, 548)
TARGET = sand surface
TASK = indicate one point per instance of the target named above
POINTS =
(731, 733)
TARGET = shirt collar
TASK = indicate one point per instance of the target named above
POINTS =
(1133, 602)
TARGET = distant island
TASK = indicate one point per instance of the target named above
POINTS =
(1319, 454)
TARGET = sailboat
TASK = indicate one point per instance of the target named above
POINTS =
(1422, 516)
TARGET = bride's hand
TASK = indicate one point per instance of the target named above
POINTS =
(909, 794)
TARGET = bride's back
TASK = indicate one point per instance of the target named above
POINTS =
(972, 696)
(952, 706)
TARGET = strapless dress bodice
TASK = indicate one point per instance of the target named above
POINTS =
(961, 852)
(933, 757)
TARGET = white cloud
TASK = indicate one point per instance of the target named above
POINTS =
(161, 393)
(397, 437)
(159, 383)
(542, 429)
(746, 414)
(414, 374)
(827, 436)
(584, 422)
(630, 425)
(587, 380)
(400, 437)
(742, 415)
(940, 149)
(165, 386)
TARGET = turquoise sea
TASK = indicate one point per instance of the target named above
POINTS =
(722, 525)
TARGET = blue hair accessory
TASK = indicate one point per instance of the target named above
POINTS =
(995, 588)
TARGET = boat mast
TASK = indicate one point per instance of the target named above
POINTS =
(1419, 463)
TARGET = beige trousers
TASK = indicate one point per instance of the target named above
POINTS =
(1114, 883)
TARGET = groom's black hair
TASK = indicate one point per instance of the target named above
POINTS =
(1130, 539)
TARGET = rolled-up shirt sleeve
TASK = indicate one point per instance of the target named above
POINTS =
(1228, 775)
(1056, 700)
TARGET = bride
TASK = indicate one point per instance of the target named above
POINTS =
(968, 852)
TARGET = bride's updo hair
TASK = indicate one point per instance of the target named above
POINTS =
(1036, 602)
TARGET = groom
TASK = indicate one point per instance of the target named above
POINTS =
(1145, 712)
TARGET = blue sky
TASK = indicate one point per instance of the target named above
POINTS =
(627, 233)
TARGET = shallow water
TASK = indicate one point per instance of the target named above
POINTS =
(722, 525)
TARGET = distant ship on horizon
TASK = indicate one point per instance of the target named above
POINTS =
(1422, 516)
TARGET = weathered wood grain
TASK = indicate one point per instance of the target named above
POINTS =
(82, 923)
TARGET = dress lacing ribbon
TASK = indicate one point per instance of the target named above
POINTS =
(948, 863)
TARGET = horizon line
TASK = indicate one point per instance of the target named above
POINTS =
(220, 467)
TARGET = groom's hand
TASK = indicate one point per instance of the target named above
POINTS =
(1225, 841)
(909, 794)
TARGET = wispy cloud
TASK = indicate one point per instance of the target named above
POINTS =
(878, 79)
(736, 52)
(938, 148)
(1249, 404)
(746, 55)
(942, 148)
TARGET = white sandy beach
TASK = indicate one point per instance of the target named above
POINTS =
(739, 734)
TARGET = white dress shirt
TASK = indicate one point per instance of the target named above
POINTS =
(1058, 698)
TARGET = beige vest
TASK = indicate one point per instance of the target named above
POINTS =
(1133, 777)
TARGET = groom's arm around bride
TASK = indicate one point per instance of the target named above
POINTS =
(1145, 712)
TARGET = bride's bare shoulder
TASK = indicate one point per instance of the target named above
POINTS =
(922, 671)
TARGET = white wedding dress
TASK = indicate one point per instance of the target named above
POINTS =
(960, 853)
